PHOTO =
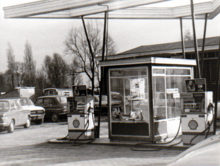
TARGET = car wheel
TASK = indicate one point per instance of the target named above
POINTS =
(38, 122)
(54, 117)
(28, 123)
(11, 127)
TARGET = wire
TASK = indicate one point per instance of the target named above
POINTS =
(81, 142)
(64, 138)
(175, 135)
(207, 133)
(149, 148)
(208, 128)
(87, 124)
(209, 125)
(176, 143)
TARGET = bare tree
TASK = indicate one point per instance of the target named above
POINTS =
(57, 70)
(29, 65)
(42, 82)
(74, 73)
(77, 45)
(19, 73)
(2, 83)
(11, 67)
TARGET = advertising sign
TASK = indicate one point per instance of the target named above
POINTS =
(196, 85)
(137, 87)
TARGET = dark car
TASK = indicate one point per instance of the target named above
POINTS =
(104, 104)
(55, 106)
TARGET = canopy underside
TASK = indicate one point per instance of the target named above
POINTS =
(118, 9)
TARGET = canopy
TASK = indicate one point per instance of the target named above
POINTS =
(118, 9)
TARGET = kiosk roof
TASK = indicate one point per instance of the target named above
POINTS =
(148, 60)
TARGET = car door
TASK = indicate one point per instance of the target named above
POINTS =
(48, 104)
(22, 113)
(14, 113)
(56, 106)
(6, 109)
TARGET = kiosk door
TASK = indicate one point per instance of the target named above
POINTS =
(129, 107)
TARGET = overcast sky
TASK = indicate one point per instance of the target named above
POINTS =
(47, 36)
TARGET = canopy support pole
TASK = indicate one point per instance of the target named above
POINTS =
(203, 44)
(91, 52)
(182, 38)
(198, 74)
(217, 89)
(102, 73)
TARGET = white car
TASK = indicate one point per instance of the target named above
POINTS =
(37, 112)
(13, 114)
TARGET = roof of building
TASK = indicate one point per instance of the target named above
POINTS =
(212, 41)
(167, 49)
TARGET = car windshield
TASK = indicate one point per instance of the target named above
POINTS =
(26, 101)
(30, 102)
(4, 106)
(62, 100)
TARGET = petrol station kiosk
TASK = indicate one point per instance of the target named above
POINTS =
(144, 96)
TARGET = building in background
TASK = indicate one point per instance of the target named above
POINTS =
(20, 92)
(174, 50)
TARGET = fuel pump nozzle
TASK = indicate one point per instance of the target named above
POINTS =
(210, 111)
(90, 109)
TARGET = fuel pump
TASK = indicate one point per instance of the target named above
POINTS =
(80, 115)
(197, 112)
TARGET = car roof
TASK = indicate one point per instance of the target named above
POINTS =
(51, 96)
(7, 99)
(16, 98)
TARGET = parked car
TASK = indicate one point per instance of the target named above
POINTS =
(13, 114)
(55, 106)
(205, 152)
(104, 102)
(37, 112)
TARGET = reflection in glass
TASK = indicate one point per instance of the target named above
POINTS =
(169, 82)
(130, 85)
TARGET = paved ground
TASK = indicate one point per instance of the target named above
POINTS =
(30, 147)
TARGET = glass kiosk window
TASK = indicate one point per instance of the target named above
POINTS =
(129, 101)
(169, 83)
